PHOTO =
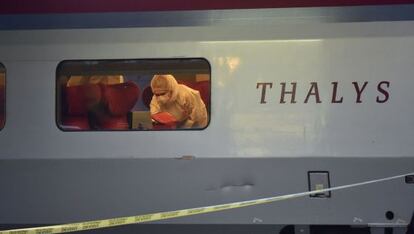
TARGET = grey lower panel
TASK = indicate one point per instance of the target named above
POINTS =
(62, 191)
(180, 229)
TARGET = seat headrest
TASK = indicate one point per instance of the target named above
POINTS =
(120, 98)
(80, 98)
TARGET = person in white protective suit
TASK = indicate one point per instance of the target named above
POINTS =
(183, 103)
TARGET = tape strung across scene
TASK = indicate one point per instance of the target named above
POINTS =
(105, 223)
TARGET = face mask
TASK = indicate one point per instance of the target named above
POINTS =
(163, 99)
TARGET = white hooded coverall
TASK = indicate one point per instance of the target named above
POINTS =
(184, 103)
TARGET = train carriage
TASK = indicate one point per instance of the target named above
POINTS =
(296, 99)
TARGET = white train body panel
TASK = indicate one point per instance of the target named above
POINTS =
(240, 125)
(352, 116)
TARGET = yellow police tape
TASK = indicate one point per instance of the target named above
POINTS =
(105, 223)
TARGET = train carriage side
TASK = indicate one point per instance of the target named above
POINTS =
(291, 106)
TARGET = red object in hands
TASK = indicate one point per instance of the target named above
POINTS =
(165, 120)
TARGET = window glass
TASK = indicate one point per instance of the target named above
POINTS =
(2, 95)
(165, 94)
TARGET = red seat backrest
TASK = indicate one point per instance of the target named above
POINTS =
(80, 98)
(120, 98)
(189, 84)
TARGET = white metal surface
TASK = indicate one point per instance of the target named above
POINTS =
(249, 150)
(240, 57)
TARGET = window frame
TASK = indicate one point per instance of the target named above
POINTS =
(58, 114)
(3, 67)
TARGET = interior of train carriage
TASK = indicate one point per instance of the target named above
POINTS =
(108, 95)
(117, 94)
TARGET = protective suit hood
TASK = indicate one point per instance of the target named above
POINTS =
(165, 83)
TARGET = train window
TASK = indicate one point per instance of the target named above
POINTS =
(140, 94)
(2, 95)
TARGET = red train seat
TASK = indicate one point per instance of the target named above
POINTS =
(78, 100)
(118, 99)
(108, 104)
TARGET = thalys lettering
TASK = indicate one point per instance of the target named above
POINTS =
(287, 92)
